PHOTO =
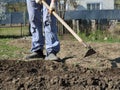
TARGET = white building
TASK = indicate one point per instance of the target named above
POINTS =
(90, 4)
(2, 11)
(2, 7)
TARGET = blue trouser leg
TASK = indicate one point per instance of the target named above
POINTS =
(35, 19)
(50, 29)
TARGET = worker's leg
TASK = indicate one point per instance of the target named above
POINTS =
(50, 29)
(35, 19)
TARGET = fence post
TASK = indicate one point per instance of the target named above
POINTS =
(78, 27)
(21, 30)
(74, 25)
(10, 19)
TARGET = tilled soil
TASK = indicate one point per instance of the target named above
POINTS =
(47, 75)
(73, 72)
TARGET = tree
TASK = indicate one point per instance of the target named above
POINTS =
(16, 7)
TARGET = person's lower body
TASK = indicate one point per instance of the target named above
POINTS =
(50, 30)
(35, 20)
(52, 44)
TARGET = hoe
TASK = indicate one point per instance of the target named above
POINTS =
(90, 51)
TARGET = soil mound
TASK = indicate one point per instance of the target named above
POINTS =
(51, 75)
(97, 72)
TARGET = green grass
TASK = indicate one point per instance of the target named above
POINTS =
(100, 36)
(7, 35)
(14, 31)
(10, 52)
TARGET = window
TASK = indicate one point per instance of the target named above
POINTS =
(93, 6)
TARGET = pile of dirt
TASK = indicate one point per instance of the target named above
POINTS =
(74, 72)
(73, 52)
(51, 75)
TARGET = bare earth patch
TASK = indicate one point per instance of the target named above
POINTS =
(74, 72)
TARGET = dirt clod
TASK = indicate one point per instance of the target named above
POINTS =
(31, 76)
(74, 72)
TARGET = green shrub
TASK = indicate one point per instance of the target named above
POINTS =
(100, 36)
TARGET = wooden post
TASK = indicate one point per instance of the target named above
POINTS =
(74, 25)
(78, 28)
(93, 22)
(21, 30)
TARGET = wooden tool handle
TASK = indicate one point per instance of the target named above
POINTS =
(65, 25)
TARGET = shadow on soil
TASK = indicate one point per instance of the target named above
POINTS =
(63, 60)
(115, 61)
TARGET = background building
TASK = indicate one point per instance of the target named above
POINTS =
(89, 4)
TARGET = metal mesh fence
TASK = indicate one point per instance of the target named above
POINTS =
(13, 18)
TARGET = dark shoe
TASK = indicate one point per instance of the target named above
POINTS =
(36, 55)
(51, 56)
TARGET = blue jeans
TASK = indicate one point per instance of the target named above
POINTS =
(43, 28)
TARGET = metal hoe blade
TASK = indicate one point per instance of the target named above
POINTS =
(90, 52)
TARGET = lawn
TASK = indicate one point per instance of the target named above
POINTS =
(14, 31)
(15, 51)
(8, 51)
(7, 35)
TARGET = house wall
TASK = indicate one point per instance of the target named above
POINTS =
(104, 4)
(69, 6)
(2, 7)
(82, 4)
